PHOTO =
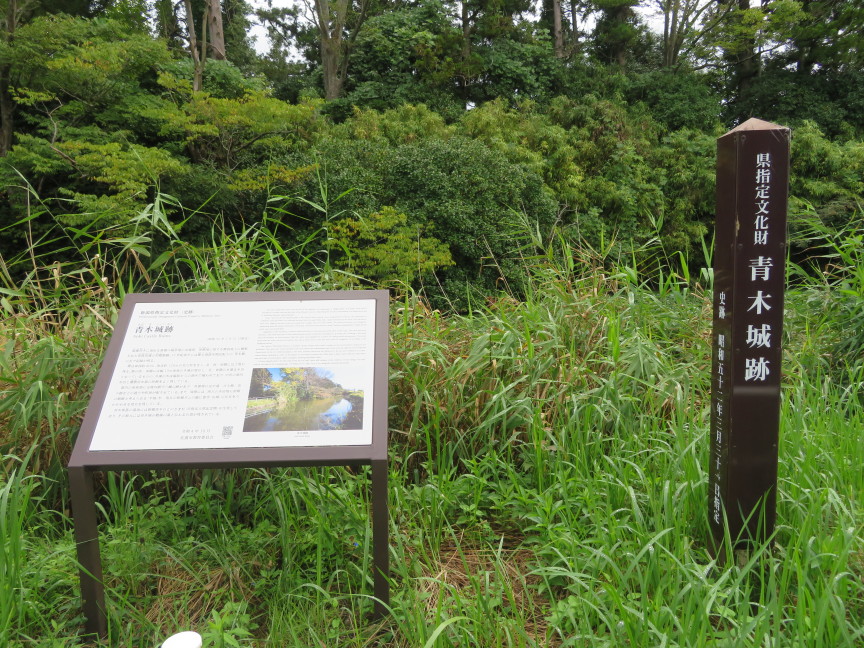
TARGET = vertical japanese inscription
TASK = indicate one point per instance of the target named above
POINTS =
(749, 273)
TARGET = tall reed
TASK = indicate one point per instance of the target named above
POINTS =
(547, 483)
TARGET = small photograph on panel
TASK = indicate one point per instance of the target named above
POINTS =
(289, 399)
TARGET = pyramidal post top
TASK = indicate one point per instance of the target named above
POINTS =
(754, 124)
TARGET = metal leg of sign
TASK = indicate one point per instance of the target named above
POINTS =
(87, 544)
(380, 544)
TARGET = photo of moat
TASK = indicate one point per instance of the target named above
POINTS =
(303, 398)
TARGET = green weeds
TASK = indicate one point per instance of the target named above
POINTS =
(547, 484)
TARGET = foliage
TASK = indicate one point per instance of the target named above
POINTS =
(516, 68)
(228, 132)
(261, 381)
(617, 31)
(455, 189)
(407, 55)
(835, 255)
(827, 176)
(467, 195)
(547, 475)
(402, 125)
(289, 388)
(222, 79)
(72, 66)
(816, 73)
(105, 120)
(528, 137)
(382, 248)
(126, 122)
(831, 100)
(678, 99)
(846, 312)
(81, 80)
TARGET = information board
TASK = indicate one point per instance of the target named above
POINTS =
(244, 374)
(229, 380)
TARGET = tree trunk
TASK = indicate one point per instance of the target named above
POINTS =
(667, 29)
(674, 14)
(167, 24)
(466, 32)
(7, 111)
(215, 30)
(331, 19)
(557, 30)
(7, 105)
(330, 51)
(621, 14)
(197, 64)
(615, 31)
(803, 48)
(744, 59)
(574, 26)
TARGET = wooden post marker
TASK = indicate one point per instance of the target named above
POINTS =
(749, 279)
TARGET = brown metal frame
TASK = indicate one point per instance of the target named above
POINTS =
(83, 462)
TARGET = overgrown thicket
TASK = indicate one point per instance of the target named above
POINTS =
(449, 131)
(548, 455)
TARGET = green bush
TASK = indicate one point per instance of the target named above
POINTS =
(458, 190)
(677, 99)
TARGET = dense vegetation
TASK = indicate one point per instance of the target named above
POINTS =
(444, 125)
(536, 187)
(548, 471)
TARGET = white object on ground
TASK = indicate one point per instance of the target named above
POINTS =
(187, 639)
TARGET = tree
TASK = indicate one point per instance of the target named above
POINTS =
(238, 40)
(11, 18)
(616, 30)
(557, 29)
(561, 19)
(216, 32)
(789, 61)
(741, 51)
(232, 132)
(294, 384)
(167, 24)
(577, 7)
(828, 34)
(738, 36)
(13, 15)
(681, 21)
(552, 18)
(211, 29)
(197, 58)
(80, 86)
(261, 383)
(132, 14)
(409, 54)
(338, 23)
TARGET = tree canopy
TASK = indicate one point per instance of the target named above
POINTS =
(443, 126)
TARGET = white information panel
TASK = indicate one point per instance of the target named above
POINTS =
(242, 374)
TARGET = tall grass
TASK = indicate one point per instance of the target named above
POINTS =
(547, 483)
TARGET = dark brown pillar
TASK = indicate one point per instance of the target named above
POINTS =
(380, 532)
(87, 544)
(749, 280)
